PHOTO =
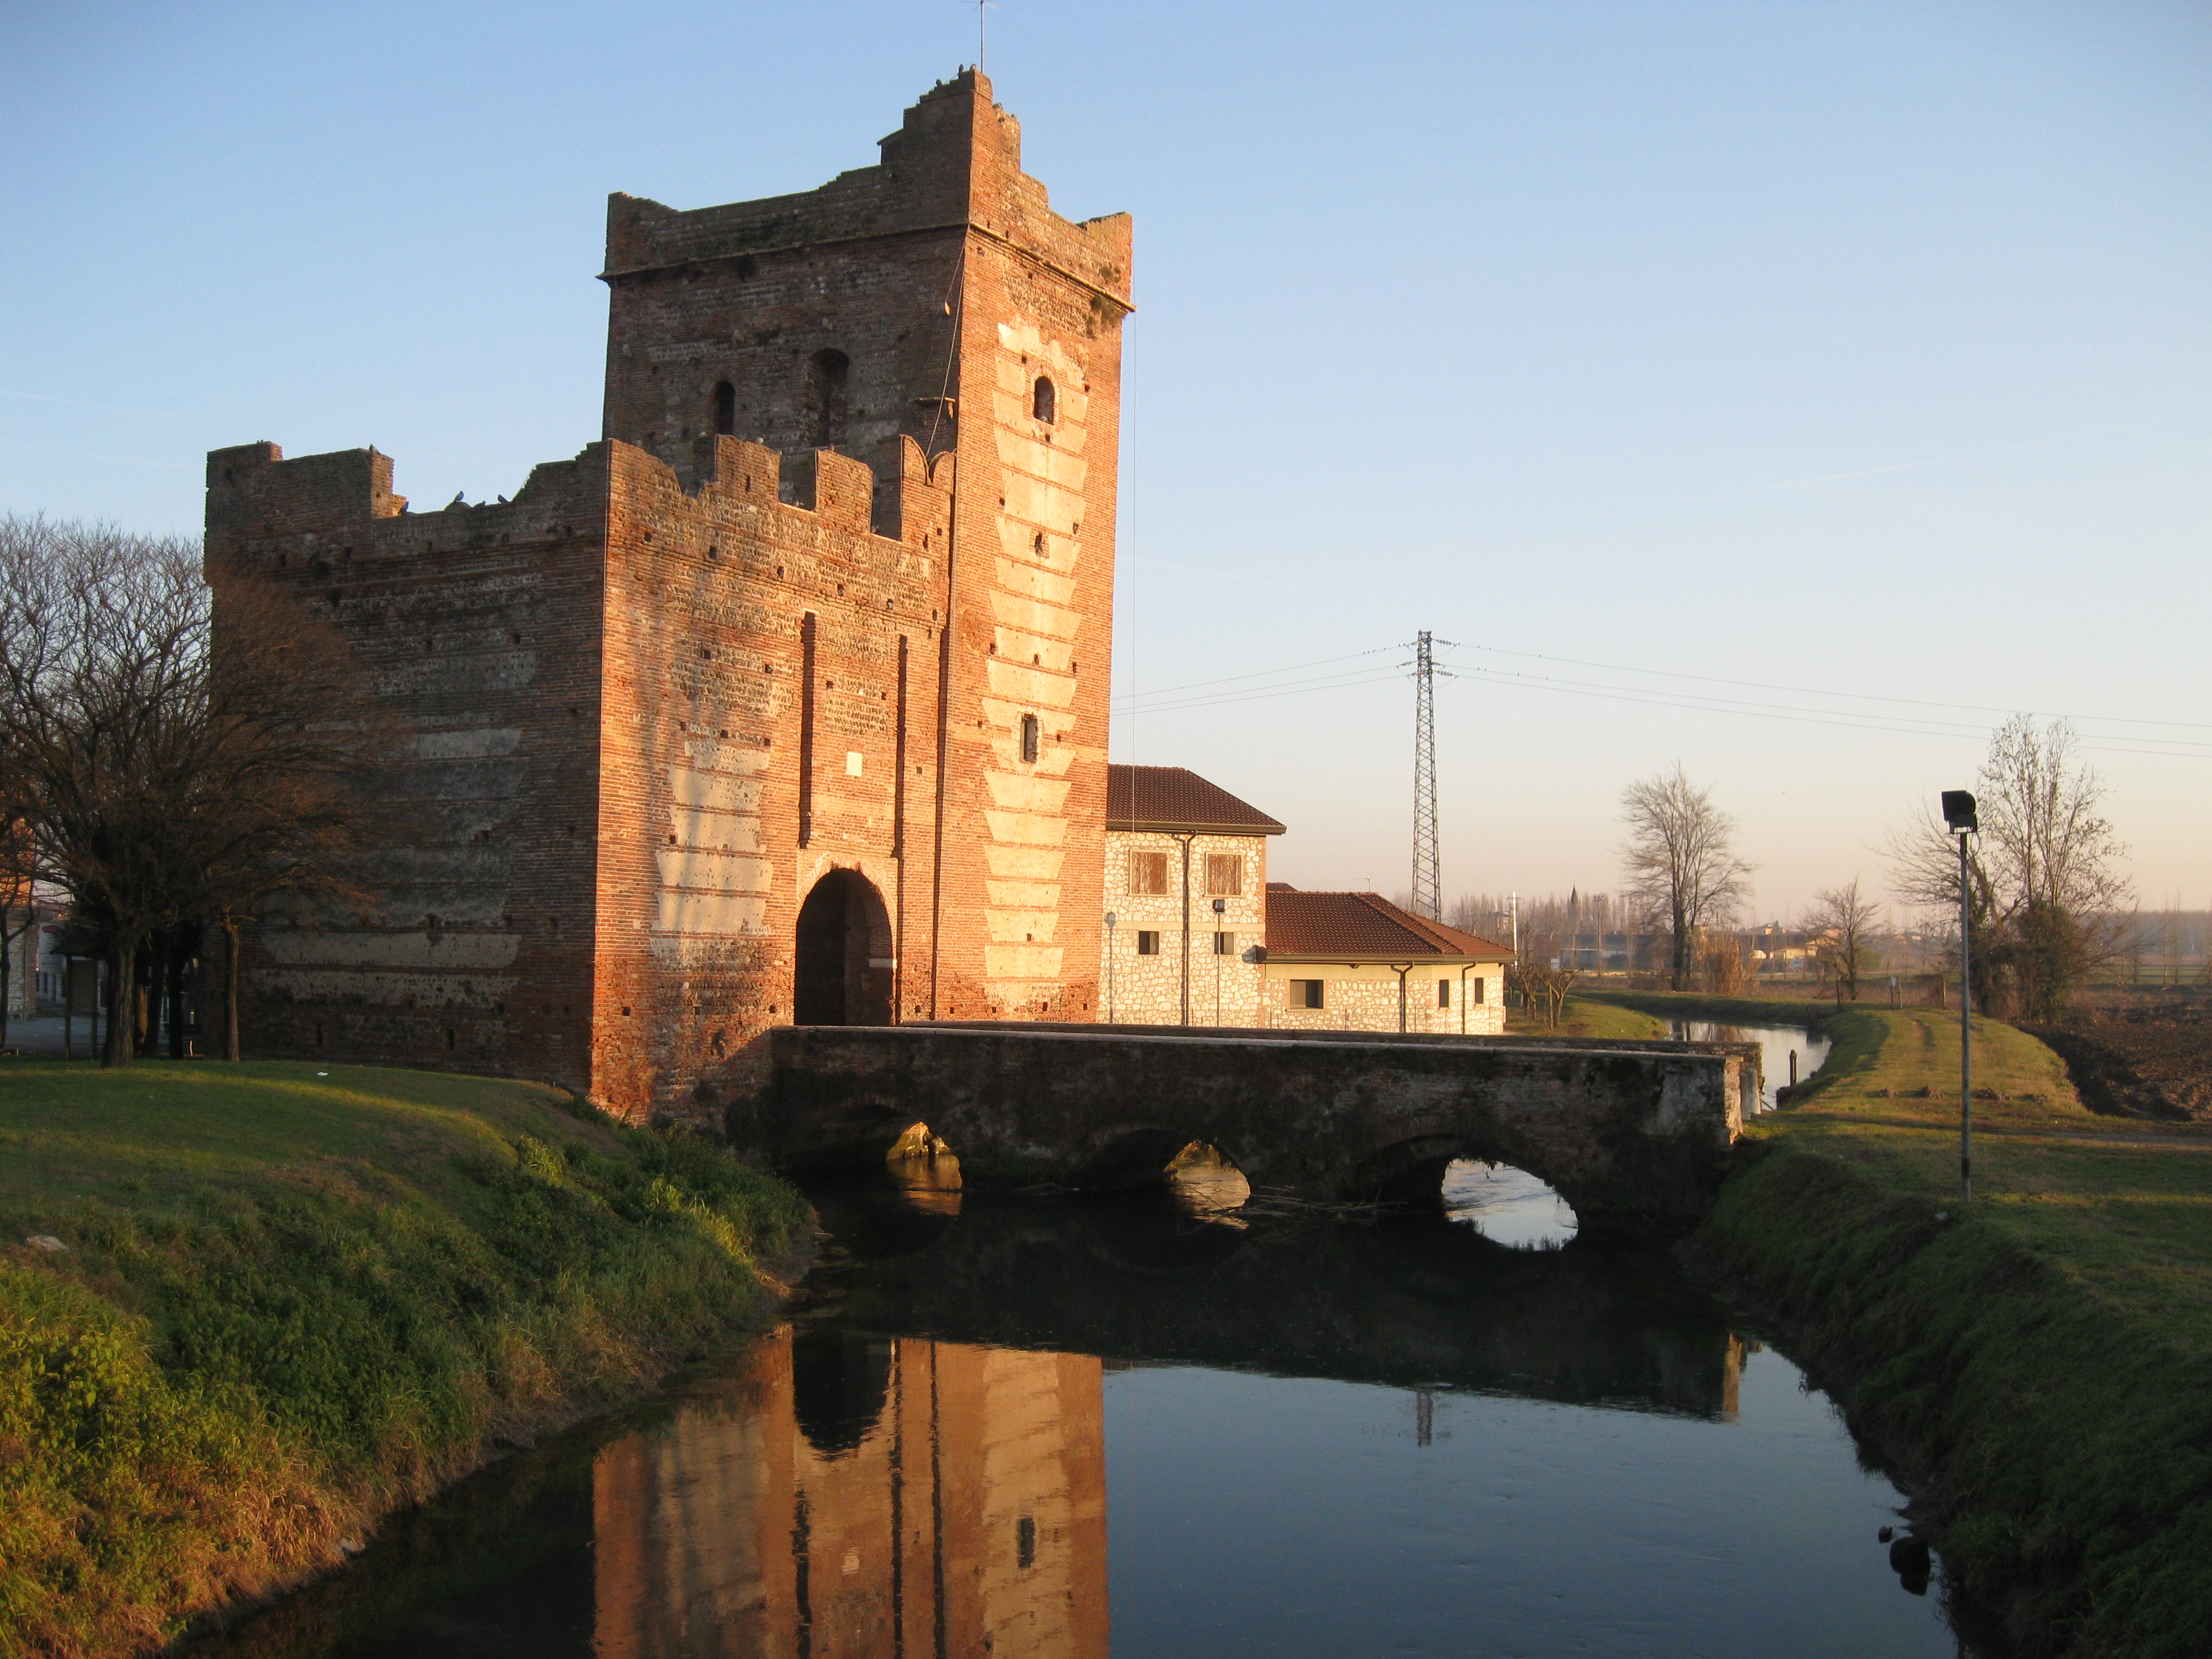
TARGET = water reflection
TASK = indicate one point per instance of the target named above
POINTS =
(844, 1495)
(1784, 1051)
(1507, 1206)
(1324, 1438)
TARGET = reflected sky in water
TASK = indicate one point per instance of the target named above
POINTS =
(1776, 1045)
(1076, 1429)
(1507, 1206)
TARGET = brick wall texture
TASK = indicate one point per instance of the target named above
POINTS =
(792, 686)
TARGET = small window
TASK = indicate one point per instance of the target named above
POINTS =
(1225, 873)
(1148, 873)
(1305, 994)
(1479, 983)
(1025, 1542)
(1030, 739)
(1042, 400)
(1444, 994)
(1148, 942)
(726, 409)
(1225, 944)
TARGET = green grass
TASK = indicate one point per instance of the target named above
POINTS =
(2038, 1359)
(294, 1299)
(1583, 1018)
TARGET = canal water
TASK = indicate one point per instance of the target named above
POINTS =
(1142, 1427)
(1776, 1045)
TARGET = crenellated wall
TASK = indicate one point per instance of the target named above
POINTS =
(758, 643)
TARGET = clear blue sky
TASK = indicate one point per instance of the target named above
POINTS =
(1859, 348)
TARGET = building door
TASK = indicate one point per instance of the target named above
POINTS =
(844, 954)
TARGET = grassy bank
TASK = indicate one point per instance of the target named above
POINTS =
(2036, 1360)
(289, 1300)
(1583, 1018)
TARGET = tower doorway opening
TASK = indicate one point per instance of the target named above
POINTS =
(844, 954)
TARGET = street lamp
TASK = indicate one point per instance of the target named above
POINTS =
(1109, 968)
(1959, 819)
(1219, 907)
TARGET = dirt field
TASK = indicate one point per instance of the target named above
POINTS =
(2140, 1055)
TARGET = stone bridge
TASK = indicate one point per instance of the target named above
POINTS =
(1635, 1135)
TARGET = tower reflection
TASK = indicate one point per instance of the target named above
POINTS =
(853, 1496)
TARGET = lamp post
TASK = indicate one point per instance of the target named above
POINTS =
(1220, 906)
(1958, 818)
(1109, 968)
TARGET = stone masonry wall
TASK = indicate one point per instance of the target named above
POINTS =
(1148, 990)
(1365, 999)
(478, 627)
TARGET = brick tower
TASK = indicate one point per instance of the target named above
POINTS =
(786, 699)
(934, 296)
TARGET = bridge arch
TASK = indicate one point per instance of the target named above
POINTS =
(842, 959)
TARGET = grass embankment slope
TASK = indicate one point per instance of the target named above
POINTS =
(2040, 1359)
(292, 1300)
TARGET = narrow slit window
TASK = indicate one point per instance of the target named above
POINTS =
(1044, 402)
(826, 376)
(1444, 994)
(1031, 739)
(1478, 982)
(726, 409)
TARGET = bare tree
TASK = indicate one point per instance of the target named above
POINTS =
(18, 889)
(1681, 866)
(1838, 926)
(179, 751)
(2046, 896)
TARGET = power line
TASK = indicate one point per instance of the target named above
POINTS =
(1882, 712)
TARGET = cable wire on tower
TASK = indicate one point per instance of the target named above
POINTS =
(1428, 873)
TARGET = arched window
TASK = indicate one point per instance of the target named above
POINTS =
(1030, 736)
(824, 406)
(726, 409)
(1041, 401)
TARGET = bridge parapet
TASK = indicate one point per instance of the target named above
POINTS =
(1635, 1135)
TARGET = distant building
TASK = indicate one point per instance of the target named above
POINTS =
(1356, 961)
(1176, 846)
(1200, 936)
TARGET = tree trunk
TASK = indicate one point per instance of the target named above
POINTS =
(176, 998)
(229, 989)
(7, 969)
(122, 995)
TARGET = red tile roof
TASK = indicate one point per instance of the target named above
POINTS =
(1364, 927)
(1174, 798)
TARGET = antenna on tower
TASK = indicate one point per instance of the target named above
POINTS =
(1428, 874)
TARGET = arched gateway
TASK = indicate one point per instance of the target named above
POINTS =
(843, 975)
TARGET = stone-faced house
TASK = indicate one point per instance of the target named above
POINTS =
(1199, 936)
(1356, 961)
(1185, 884)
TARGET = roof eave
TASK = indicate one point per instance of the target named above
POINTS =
(1372, 959)
(1162, 826)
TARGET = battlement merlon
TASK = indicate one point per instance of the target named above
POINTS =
(953, 166)
(253, 491)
